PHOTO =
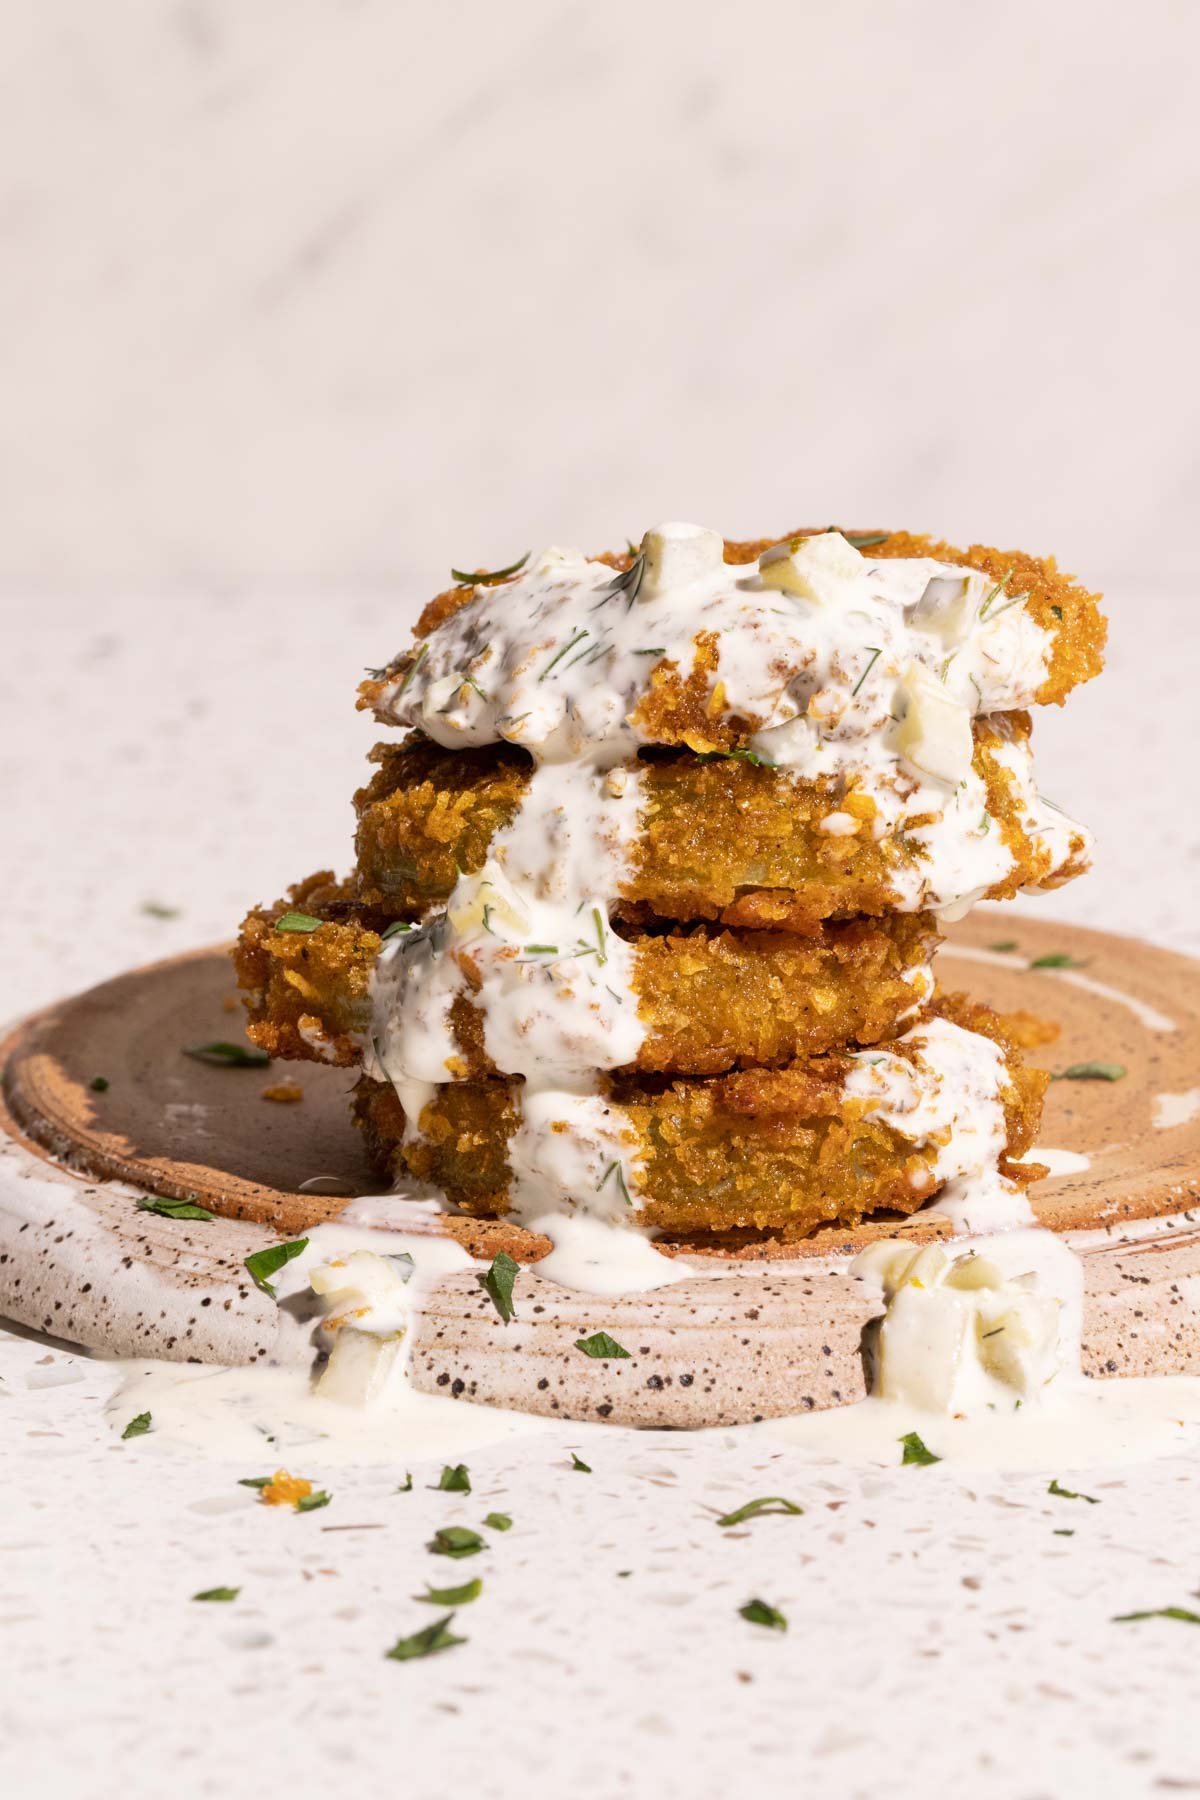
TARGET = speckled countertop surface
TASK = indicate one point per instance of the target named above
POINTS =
(941, 1633)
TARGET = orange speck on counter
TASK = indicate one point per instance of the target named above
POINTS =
(285, 1092)
(285, 1490)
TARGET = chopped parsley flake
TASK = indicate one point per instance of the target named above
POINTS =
(498, 1522)
(99, 1084)
(1069, 1494)
(457, 1541)
(172, 1209)
(452, 1596)
(314, 1501)
(1058, 959)
(397, 928)
(759, 1613)
(435, 1637)
(454, 1480)
(1182, 1613)
(154, 909)
(915, 1451)
(229, 1056)
(600, 1345)
(497, 1284)
(577, 1462)
(297, 921)
(138, 1426)
(255, 1481)
(406, 1485)
(218, 1593)
(772, 1503)
(262, 1263)
(1004, 946)
(1092, 1071)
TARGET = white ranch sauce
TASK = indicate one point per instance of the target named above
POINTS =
(870, 672)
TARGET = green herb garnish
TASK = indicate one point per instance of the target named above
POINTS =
(172, 1209)
(557, 658)
(614, 1167)
(255, 1481)
(1092, 1071)
(601, 1345)
(577, 1462)
(452, 1596)
(314, 1501)
(740, 753)
(915, 1451)
(994, 595)
(628, 582)
(138, 1426)
(396, 929)
(457, 1541)
(297, 921)
(228, 1056)
(759, 1613)
(498, 1522)
(497, 1284)
(1064, 1531)
(426, 1643)
(1069, 1494)
(99, 1084)
(1058, 959)
(413, 666)
(485, 577)
(454, 1480)
(221, 1593)
(1160, 1612)
(772, 1503)
(406, 1485)
(541, 949)
(875, 656)
(656, 650)
(262, 1263)
(1006, 945)
(154, 909)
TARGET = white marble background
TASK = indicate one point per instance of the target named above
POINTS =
(319, 293)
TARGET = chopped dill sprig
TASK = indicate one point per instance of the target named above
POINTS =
(993, 595)
(558, 656)
(614, 1168)
(875, 656)
(413, 666)
(656, 650)
(628, 582)
(541, 949)
(485, 577)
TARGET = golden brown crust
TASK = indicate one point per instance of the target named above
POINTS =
(722, 840)
(780, 1151)
(709, 1000)
(681, 710)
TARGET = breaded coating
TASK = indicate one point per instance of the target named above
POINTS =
(721, 840)
(780, 1151)
(682, 711)
(709, 999)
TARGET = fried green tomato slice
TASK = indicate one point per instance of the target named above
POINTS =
(778, 1152)
(719, 839)
(679, 707)
(709, 999)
